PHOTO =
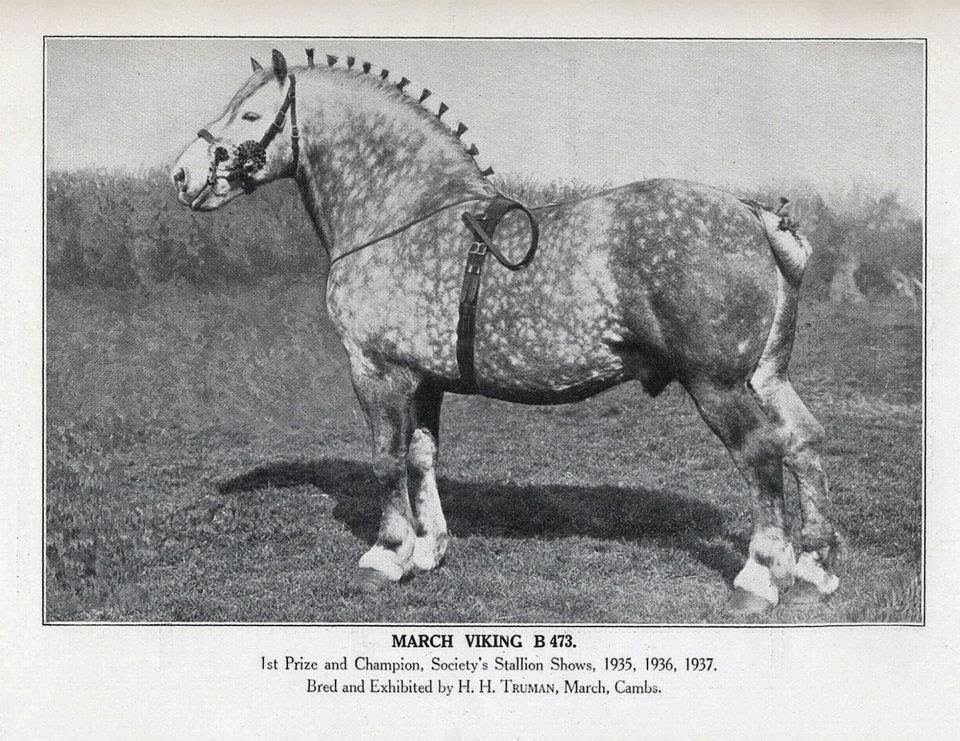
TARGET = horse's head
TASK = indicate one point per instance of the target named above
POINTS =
(250, 144)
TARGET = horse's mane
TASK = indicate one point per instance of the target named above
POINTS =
(364, 74)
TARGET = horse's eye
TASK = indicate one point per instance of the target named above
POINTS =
(250, 116)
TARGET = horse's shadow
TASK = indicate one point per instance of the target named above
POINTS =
(522, 510)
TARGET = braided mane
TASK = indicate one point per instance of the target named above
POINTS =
(365, 74)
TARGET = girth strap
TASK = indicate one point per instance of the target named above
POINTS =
(484, 227)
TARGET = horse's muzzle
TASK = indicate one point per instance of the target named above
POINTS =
(189, 183)
(182, 182)
(197, 186)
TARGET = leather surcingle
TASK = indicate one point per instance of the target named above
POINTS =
(483, 227)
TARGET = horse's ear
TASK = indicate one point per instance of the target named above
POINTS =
(279, 65)
(255, 64)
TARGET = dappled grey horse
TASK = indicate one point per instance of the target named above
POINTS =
(656, 281)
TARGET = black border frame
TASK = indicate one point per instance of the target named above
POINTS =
(43, 403)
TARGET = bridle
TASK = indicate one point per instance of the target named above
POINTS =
(250, 157)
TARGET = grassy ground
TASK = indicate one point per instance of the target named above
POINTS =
(206, 460)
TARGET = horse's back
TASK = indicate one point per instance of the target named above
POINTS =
(642, 281)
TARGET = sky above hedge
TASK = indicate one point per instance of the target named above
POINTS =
(742, 114)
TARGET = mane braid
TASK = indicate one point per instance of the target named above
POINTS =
(394, 91)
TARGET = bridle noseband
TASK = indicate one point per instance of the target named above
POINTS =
(250, 157)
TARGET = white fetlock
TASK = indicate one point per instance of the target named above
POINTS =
(425, 556)
(755, 578)
(783, 567)
(384, 561)
(770, 547)
(810, 570)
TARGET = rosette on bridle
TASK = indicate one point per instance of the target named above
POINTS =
(250, 157)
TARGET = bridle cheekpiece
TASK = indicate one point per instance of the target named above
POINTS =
(250, 157)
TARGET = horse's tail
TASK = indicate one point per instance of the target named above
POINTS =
(791, 250)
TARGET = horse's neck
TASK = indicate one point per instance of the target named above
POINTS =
(370, 163)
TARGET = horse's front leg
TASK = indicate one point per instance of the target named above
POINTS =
(385, 394)
(432, 537)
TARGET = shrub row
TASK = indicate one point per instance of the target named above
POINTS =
(124, 229)
(119, 229)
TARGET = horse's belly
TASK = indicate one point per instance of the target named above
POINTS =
(550, 333)
(546, 369)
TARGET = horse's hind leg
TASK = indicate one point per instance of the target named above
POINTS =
(734, 415)
(819, 539)
(431, 526)
(385, 395)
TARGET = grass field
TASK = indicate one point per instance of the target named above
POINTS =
(206, 460)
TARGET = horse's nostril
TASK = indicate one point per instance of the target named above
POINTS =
(179, 176)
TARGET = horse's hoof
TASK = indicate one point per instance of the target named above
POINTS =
(368, 581)
(747, 603)
(803, 593)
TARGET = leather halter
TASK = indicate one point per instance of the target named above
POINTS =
(250, 156)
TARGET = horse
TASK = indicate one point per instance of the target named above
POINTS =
(656, 281)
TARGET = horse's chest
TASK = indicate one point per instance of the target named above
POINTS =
(408, 316)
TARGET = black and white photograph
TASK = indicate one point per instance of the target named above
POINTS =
(437, 370)
(484, 331)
